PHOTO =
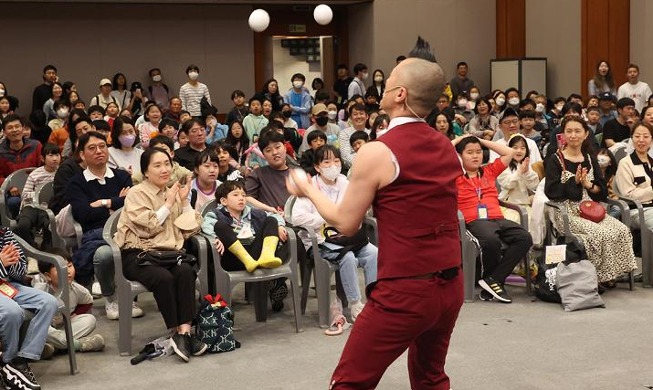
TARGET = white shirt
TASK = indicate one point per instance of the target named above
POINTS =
(108, 174)
(639, 92)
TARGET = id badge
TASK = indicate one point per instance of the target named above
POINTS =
(482, 211)
(7, 289)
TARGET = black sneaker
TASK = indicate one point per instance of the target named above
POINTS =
(278, 292)
(181, 344)
(197, 346)
(495, 289)
(485, 296)
(19, 377)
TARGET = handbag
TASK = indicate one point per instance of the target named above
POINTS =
(578, 285)
(215, 322)
(588, 209)
(348, 243)
(165, 258)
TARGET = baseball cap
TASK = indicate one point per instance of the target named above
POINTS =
(606, 96)
(105, 82)
(318, 108)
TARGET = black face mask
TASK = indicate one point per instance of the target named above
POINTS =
(286, 114)
(322, 120)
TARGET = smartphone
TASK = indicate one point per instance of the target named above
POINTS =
(183, 180)
(560, 138)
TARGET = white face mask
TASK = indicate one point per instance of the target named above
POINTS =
(603, 160)
(473, 95)
(462, 103)
(513, 101)
(539, 107)
(560, 106)
(378, 79)
(500, 101)
(365, 76)
(193, 75)
(156, 78)
(297, 84)
(332, 115)
(330, 173)
(2, 92)
(62, 113)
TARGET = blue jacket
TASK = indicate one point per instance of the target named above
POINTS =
(301, 114)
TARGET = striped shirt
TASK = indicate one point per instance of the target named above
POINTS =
(36, 178)
(191, 95)
(15, 271)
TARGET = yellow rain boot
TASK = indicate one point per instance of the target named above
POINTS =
(267, 258)
(241, 253)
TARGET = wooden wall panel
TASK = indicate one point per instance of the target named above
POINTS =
(511, 28)
(605, 36)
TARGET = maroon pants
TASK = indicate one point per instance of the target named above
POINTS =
(402, 313)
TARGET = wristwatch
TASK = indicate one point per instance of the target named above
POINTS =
(105, 203)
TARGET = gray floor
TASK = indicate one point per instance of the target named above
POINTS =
(525, 345)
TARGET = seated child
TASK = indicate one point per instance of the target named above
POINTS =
(31, 218)
(246, 233)
(15, 297)
(315, 139)
(518, 182)
(81, 302)
(205, 183)
(527, 122)
(358, 139)
(333, 184)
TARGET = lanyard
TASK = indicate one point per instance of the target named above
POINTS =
(477, 188)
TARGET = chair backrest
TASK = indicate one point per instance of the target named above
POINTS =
(111, 226)
(44, 192)
(16, 179)
(210, 206)
(287, 208)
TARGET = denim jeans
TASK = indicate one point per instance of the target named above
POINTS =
(43, 305)
(364, 258)
(105, 270)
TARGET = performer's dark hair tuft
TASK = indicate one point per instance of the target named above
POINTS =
(422, 50)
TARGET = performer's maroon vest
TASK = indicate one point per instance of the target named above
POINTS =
(417, 213)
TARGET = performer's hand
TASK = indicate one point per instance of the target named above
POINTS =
(298, 182)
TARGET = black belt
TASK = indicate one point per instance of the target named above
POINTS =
(445, 274)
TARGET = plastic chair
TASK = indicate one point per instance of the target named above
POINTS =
(64, 302)
(16, 179)
(128, 289)
(322, 270)
(471, 250)
(552, 233)
(226, 280)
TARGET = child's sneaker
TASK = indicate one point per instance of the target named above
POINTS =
(19, 376)
(92, 343)
(278, 292)
(356, 309)
(112, 310)
(48, 351)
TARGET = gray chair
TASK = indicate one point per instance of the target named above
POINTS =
(471, 249)
(322, 269)
(552, 234)
(16, 179)
(226, 280)
(128, 289)
(64, 307)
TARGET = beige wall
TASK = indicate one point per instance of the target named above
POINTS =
(641, 29)
(553, 30)
(458, 30)
(89, 42)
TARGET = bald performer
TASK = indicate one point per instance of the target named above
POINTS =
(415, 302)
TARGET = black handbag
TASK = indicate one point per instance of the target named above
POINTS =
(165, 258)
(348, 243)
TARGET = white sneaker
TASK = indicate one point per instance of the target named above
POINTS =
(112, 310)
(356, 308)
(136, 311)
(96, 291)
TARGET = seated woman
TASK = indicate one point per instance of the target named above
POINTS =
(479, 202)
(518, 182)
(334, 185)
(123, 154)
(158, 217)
(634, 175)
(572, 176)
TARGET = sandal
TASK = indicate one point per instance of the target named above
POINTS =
(338, 325)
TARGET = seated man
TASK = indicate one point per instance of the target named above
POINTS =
(16, 152)
(479, 202)
(94, 195)
(14, 298)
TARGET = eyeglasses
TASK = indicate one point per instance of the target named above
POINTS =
(94, 148)
(512, 122)
(195, 130)
(392, 89)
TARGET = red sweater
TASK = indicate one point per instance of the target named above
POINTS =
(417, 213)
(12, 160)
